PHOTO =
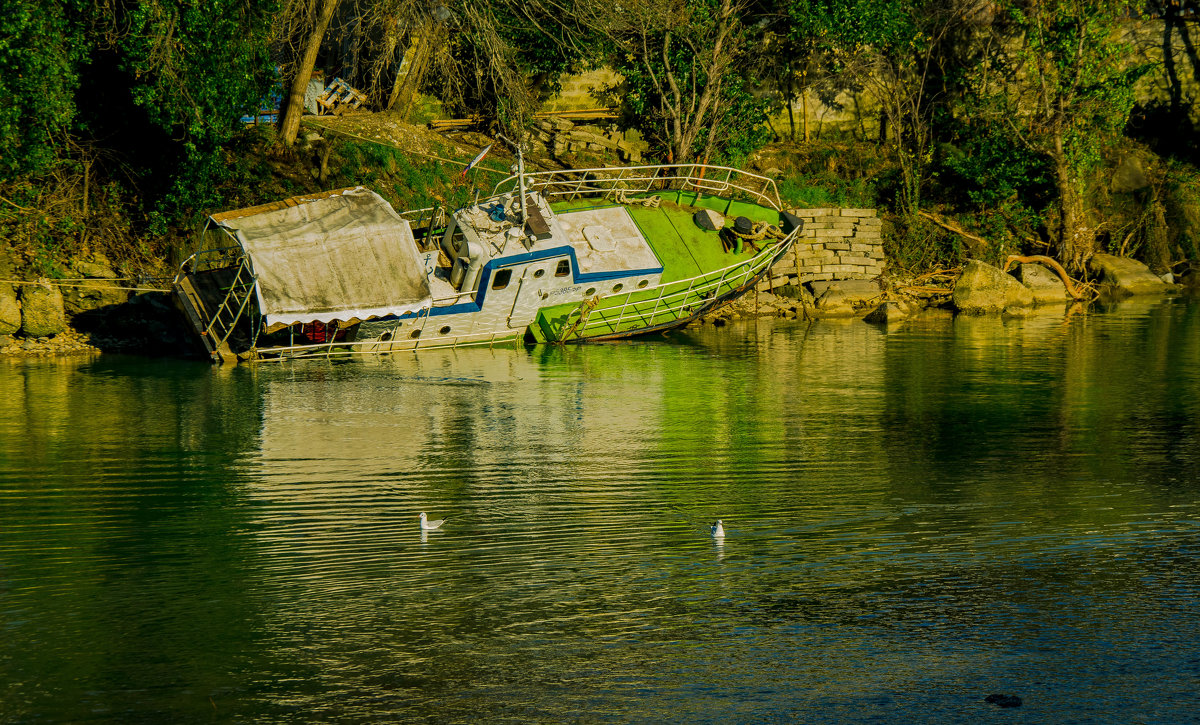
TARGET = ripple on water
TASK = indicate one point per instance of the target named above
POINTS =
(915, 519)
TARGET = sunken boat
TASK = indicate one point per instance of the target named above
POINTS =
(574, 256)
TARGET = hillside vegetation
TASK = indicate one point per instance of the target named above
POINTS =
(1036, 126)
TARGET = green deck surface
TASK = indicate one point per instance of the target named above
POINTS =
(685, 250)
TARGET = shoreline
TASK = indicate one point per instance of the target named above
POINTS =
(74, 342)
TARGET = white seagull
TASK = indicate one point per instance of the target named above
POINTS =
(427, 525)
(718, 531)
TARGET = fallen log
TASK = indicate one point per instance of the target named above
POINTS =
(953, 228)
(1052, 264)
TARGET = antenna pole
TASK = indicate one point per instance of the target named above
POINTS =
(520, 176)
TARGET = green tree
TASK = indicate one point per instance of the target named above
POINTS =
(1059, 76)
(195, 67)
(41, 45)
(685, 67)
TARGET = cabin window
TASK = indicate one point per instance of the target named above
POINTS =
(643, 283)
(445, 330)
(563, 269)
(590, 291)
(539, 273)
(618, 287)
(500, 281)
(415, 334)
(385, 337)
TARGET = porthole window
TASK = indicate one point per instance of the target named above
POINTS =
(618, 287)
(539, 273)
(415, 334)
(643, 283)
(563, 269)
(445, 330)
(500, 281)
(590, 291)
(385, 337)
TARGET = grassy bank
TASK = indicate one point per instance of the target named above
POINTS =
(87, 208)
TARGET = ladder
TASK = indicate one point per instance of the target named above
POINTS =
(216, 327)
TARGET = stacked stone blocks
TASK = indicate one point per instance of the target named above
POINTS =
(835, 244)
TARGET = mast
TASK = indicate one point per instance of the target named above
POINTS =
(520, 177)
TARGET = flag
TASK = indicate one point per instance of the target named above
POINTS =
(477, 159)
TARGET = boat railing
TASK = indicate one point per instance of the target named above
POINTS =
(628, 312)
(210, 259)
(615, 182)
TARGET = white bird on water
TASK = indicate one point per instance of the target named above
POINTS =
(427, 525)
(718, 531)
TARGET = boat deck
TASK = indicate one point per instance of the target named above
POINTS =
(698, 270)
(684, 249)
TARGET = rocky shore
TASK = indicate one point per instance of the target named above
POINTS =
(93, 310)
(99, 312)
(975, 289)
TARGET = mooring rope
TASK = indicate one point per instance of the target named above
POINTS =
(85, 286)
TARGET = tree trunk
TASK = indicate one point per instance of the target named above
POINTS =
(1075, 242)
(408, 80)
(804, 110)
(789, 98)
(293, 109)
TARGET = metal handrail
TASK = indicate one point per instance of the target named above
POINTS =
(208, 259)
(688, 177)
(673, 298)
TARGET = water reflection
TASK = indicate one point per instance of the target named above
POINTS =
(916, 517)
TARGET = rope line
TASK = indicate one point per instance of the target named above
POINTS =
(84, 286)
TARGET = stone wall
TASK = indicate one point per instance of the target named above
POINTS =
(557, 136)
(836, 244)
(1167, 46)
(579, 91)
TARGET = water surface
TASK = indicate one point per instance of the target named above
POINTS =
(917, 517)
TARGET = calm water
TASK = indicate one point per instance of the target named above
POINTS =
(917, 518)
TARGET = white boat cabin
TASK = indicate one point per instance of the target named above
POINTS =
(491, 273)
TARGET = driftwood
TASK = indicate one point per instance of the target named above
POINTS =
(927, 284)
(1052, 264)
(1072, 289)
(949, 226)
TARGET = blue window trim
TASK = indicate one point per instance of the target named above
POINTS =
(521, 259)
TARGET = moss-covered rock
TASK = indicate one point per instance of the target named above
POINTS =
(984, 288)
(10, 311)
(42, 310)
(1127, 276)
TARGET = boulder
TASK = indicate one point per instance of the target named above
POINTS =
(92, 295)
(840, 297)
(984, 288)
(708, 220)
(1126, 275)
(42, 310)
(10, 310)
(1130, 175)
(1046, 286)
(885, 313)
(99, 268)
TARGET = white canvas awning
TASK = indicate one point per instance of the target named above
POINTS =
(342, 256)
